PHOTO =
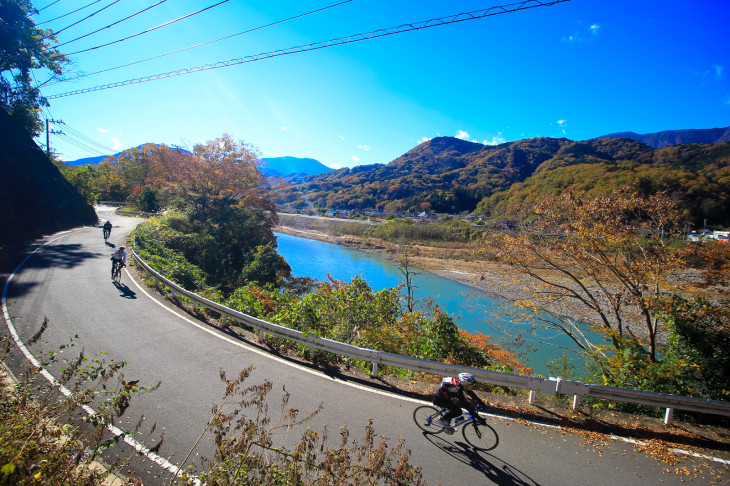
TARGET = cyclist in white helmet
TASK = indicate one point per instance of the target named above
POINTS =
(455, 394)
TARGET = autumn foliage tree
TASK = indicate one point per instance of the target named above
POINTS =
(602, 262)
(224, 217)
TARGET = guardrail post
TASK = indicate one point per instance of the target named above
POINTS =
(311, 352)
(532, 397)
(374, 371)
(223, 321)
(668, 416)
(576, 402)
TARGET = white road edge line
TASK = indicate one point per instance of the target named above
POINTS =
(161, 461)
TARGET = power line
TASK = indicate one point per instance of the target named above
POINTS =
(149, 30)
(70, 13)
(88, 140)
(74, 137)
(79, 144)
(86, 18)
(112, 24)
(452, 19)
(200, 45)
(52, 3)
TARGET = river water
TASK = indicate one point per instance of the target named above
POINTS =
(472, 309)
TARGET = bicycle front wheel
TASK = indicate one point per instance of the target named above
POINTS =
(480, 437)
(426, 418)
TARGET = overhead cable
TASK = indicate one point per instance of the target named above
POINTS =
(79, 144)
(112, 24)
(87, 140)
(70, 13)
(462, 17)
(199, 45)
(149, 30)
(52, 3)
(86, 18)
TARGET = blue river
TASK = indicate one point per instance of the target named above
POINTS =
(472, 309)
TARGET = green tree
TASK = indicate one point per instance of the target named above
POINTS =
(266, 266)
(25, 47)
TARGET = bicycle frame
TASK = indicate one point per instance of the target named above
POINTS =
(477, 433)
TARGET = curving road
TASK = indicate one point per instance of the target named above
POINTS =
(67, 281)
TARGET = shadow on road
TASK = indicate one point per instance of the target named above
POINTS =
(63, 256)
(125, 291)
(495, 470)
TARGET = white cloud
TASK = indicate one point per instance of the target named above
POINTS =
(364, 147)
(283, 129)
(718, 70)
(355, 159)
(495, 140)
(424, 139)
(577, 36)
(117, 143)
(101, 130)
(563, 124)
(340, 137)
(462, 135)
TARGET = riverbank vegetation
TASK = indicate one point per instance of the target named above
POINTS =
(616, 264)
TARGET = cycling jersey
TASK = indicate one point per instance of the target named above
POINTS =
(120, 256)
(452, 395)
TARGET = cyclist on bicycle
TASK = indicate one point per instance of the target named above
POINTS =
(107, 229)
(455, 394)
(119, 258)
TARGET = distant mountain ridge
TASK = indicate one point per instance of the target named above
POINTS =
(289, 166)
(449, 175)
(668, 138)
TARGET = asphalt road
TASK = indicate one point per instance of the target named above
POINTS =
(68, 281)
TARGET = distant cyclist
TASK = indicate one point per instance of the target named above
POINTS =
(107, 230)
(119, 259)
(455, 394)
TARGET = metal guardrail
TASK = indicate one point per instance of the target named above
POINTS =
(377, 358)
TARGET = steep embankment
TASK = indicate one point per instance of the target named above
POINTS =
(35, 198)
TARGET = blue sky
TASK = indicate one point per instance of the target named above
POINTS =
(578, 69)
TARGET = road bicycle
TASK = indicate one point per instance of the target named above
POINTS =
(117, 271)
(480, 436)
(106, 233)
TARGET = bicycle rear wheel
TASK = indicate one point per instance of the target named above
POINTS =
(426, 417)
(480, 437)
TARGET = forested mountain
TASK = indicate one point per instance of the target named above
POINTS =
(446, 174)
(668, 138)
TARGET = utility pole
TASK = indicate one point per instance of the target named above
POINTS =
(49, 132)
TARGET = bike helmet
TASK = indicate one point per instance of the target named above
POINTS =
(467, 378)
